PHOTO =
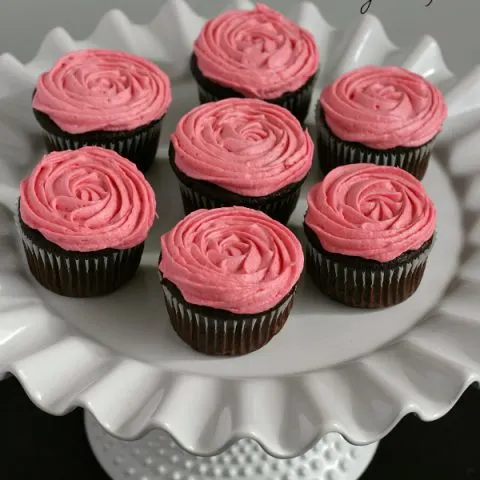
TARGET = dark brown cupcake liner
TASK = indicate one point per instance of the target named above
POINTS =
(199, 194)
(139, 146)
(78, 274)
(221, 333)
(366, 283)
(297, 102)
(334, 152)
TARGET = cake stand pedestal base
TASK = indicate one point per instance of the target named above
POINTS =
(157, 457)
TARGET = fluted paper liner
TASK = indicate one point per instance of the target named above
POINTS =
(297, 102)
(279, 208)
(78, 274)
(362, 287)
(334, 152)
(139, 146)
(217, 332)
(198, 194)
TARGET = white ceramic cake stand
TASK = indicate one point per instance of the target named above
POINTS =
(333, 378)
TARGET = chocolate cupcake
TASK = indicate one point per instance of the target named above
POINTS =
(110, 99)
(243, 152)
(382, 115)
(259, 54)
(370, 230)
(83, 217)
(229, 276)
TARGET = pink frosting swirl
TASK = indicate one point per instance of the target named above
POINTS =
(383, 107)
(88, 200)
(95, 89)
(372, 212)
(246, 146)
(231, 258)
(257, 52)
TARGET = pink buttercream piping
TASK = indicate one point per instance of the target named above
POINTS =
(257, 52)
(88, 200)
(383, 107)
(91, 90)
(247, 146)
(231, 258)
(372, 212)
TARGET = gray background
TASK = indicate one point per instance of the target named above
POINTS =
(454, 23)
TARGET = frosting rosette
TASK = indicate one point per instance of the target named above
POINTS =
(232, 258)
(102, 90)
(88, 199)
(247, 146)
(372, 212)
(259, 52)
(383, 107)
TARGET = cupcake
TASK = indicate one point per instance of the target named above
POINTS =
(369, 230)
(382, 115)
(259, 54)
(244, 152)
(229, 277)
(83, 217)
(110, 99)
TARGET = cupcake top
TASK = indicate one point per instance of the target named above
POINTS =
(232, 258)
(91, 90)
(246, 146)
(383, 107)
(257, 52)
(372, 212)
(88, 200)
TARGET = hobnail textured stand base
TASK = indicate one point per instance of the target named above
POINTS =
(157, 457)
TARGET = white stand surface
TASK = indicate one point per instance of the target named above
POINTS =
(157, 457)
